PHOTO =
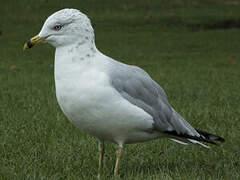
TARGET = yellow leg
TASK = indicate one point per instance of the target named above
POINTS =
(118, 154)
(100, 160)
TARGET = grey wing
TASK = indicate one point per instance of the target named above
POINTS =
(135, 85)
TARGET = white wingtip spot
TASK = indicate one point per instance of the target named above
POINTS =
(180, 142)
(197, 142)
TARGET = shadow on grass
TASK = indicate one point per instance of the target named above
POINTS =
(226, 24)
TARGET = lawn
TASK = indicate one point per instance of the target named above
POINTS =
(191, 48)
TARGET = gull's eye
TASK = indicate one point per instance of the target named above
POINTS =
(57, 27)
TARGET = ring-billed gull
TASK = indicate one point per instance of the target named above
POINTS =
(105, 98)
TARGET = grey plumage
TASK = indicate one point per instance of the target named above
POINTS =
(135, 85)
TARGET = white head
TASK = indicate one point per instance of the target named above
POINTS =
(63, 28)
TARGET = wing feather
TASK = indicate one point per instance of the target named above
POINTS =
(135, 85)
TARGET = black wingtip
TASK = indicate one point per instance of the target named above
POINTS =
(210, 137)
(204, 136)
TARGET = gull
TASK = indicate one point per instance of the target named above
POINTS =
(105, 98)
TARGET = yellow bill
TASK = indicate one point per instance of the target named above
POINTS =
(30, 43)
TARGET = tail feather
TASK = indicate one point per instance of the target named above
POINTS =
(178, 141)
(204, 137)
(197, 142)
(189, 141)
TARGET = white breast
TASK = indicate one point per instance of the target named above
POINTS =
(90, 103)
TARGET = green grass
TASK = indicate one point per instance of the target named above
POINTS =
(38, 142)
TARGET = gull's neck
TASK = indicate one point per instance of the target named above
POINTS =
(74, 59)
(81, 50)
